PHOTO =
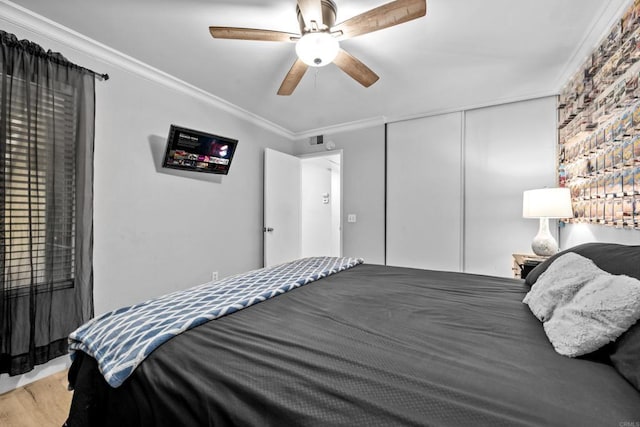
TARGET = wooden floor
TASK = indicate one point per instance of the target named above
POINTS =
(40, 404)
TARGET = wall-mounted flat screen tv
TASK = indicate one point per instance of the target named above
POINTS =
(192, 150)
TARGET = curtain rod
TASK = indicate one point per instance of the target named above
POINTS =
(35, 49)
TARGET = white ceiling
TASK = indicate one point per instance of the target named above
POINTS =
(463, 54)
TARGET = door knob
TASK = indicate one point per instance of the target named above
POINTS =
(268, 229)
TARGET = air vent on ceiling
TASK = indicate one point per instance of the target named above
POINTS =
(316, 140)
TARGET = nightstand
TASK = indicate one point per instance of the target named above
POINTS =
(524, 263)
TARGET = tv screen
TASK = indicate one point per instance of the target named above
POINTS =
(192, 150)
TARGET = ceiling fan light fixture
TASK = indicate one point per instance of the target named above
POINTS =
(317, 49)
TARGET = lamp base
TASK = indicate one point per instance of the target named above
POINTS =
(544, 244)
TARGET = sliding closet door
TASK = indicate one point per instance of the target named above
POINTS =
(424, 193)
(508, 149)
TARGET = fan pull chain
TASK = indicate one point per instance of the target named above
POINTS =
(315, 78)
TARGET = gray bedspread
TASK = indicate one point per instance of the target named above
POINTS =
(371, 346)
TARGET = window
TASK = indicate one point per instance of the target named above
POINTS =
(39, 200)
(47, 122)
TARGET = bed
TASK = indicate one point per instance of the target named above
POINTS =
(369, 346)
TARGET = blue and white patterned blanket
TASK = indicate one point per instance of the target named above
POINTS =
(121, 339)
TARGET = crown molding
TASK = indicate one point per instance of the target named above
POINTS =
(342, 127)
(599, 29)
(382, 120)
(467, 108)
(44, 27)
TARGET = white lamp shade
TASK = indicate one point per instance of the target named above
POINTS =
(317, 49)
(547, 203)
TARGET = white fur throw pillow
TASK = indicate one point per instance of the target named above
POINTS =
(599, 313)
(559, 283)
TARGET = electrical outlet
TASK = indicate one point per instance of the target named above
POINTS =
(214, 276)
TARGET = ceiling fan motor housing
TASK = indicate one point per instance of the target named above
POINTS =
(329, 11)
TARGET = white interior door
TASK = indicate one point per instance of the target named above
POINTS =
(282, 200)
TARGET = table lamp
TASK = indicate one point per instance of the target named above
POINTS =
(546, 203)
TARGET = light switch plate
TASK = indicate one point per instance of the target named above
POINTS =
(351, 218)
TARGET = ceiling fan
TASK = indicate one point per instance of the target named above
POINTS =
(319, 42)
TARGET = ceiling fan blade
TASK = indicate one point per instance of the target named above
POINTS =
(388, 15)
(292, 78)
(252, 34)
(356, 69)
(311, 11)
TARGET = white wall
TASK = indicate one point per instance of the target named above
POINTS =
(158, 230)
(575, 234)
(363, 189)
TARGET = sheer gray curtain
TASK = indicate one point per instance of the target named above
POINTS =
(46, 202)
